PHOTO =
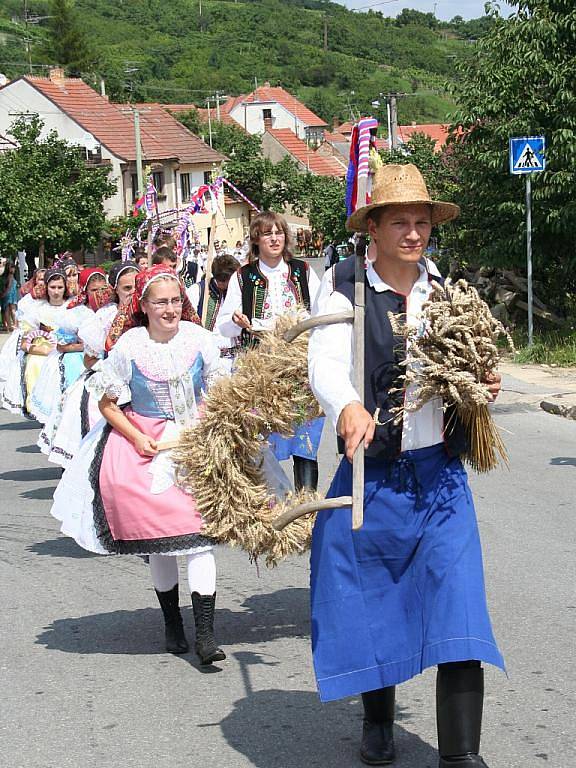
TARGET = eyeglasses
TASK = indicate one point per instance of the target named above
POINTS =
(163, 303)
(268, 235)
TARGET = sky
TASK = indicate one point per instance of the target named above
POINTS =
(445, 9)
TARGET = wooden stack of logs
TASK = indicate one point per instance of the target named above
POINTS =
(506, 293)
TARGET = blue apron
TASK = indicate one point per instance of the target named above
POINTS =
(304, 443)
(406, 591)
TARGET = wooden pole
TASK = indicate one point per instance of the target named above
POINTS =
(208, 272)
(359, 313)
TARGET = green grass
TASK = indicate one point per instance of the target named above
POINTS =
(552, 348)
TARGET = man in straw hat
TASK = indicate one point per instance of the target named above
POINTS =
(406, 591)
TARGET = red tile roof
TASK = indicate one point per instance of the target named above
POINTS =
(319, 164)
(436, 131)
(156, 123)
(345, 128)
(279, 95)
(163, 137)
(337, 137)
(224, 117)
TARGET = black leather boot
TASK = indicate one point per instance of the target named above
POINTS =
(206, 648)
(175, 638)
(459, 703)
(377, 731)
(305, 473)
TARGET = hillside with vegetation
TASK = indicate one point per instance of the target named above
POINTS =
(337, 61)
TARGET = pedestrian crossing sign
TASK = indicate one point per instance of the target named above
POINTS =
(527, 154)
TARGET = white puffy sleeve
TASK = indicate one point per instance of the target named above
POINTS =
(330, 354)
(93, 331)
(232, 303)
(114, 373)
(214, 365)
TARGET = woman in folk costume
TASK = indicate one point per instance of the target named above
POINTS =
(12, 354)
(39, 341)
(69, 423)
(270, 285)
(66, 362)
(118, 495)
(223, 267)
(405, 591)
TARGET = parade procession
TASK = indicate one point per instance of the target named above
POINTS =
(287, 410)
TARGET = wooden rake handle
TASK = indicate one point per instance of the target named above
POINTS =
(310, 506)
(316, 322)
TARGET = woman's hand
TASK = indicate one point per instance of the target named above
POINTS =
(241, 320)
(76, 346)
(145, 445)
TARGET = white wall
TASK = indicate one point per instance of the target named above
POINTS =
(250, 117)
(20, 98)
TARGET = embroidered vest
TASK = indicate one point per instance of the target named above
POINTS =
(254, 288)
(215, 301)
(384, 355)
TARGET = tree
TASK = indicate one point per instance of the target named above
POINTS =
(53, 197)
(520, 83)
(67, 44)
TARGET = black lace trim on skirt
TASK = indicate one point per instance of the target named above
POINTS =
(133, 546)
(84, 417)
(25, 411)
(62, 371)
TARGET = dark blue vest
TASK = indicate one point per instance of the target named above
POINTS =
(383, 357)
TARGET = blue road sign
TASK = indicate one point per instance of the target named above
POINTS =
(527, 154)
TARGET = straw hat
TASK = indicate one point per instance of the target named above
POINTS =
(400, 185)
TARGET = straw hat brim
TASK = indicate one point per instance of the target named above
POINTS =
(441, 213)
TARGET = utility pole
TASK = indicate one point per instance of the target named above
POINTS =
(391, 99)
(27, 38)
(209, 123)
(218, 106)
(137, 141)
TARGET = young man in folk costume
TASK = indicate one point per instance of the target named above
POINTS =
(223, 267)
(406, 591)
(270, 285)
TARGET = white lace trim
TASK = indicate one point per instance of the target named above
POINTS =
(162, 362)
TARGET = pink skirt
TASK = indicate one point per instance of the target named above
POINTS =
(129, 516)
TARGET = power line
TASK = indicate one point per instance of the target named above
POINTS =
(373, 5)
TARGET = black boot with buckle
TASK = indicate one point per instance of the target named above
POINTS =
(206, 647)
(459, 704)
(377, 732)
(175, 638)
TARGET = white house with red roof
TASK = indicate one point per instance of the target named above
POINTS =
(280, 143)
(105, 132)
(273, 107)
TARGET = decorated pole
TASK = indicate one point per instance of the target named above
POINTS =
(213, 190)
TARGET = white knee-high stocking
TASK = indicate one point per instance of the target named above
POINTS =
(202, 572)
(164, 570)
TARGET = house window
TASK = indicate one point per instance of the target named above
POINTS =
(158, 181)
(207, 177)
(185, 186)
(134, 180)
(267, 114)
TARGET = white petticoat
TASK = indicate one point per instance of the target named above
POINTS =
(74, 497)
(11, 374)
(46, 394)
(12, 396)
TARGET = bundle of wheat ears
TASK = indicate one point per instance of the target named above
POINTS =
(219, 459)
(450, 356)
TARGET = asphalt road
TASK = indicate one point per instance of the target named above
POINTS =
(84, 680)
